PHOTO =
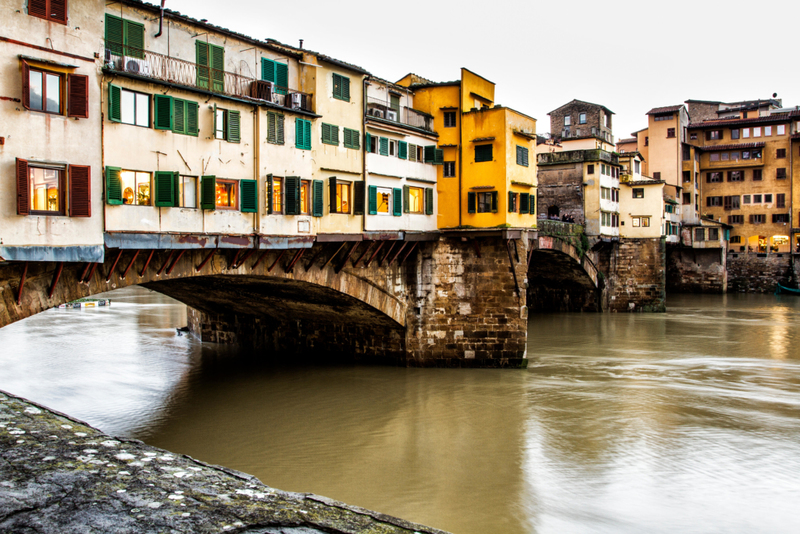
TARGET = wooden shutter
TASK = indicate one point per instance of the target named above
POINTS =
(384, 146)
(727, 203)
(234, 126)
(114, 35)
(524, 202)
(115, 103)
(80, 191)
(292, 195)
(355, 139)
(272, 130)
(412, 152)
(165, 189)
(430, 153)
(359, 191)
(192, 123)
(332, 193)
(345, 88)
(267, 70)
(202, 60)
(494, 201)
(217, 56)
(37, 8)
(23, 189)
(78, 89)
(326, 133)
(163, 114)
(26, 85)
(134, 38)
(483, 153)
(298, 133)
(402, 151)
(438, 156)
(282, 77)
(429, 201)
(269, 194)
(367, 141)
(179, 116)
(113, 186)
(58, 11)
(511, 207)
(318, 201)
(397, 202)
(280, 128)
(208, 193)
(406, 191)
(307, 135)
(248, 192)
(335, 135)
(373, 200)
(471, 201)
(532, 204)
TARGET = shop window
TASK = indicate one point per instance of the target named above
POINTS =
(340, 196)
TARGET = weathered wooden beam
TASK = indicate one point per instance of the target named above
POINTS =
(91, 273)
(319, 252)
(334, 255)
(136, 255)
(22, 283)
(407, 254)
(380, 261)
(276, 261)
(85, 271)
(377, 249)
(513, 270)
(205, 260)
(113, 266)
(366, 250)
(258, 261)
(346, 258)
(232, 264)
(169, 257)
(246, 257)
(55, 280)
(397, 254)
(174, 263)
(297, 256)
(147, 263)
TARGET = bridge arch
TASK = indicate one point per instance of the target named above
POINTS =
(561, 277)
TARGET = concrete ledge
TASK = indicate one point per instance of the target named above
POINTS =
(60, 475)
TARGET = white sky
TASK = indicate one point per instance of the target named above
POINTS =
(629, 56)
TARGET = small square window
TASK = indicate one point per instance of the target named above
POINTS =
(567, 120)
(449, 119)
(638, 192)
(449, 169)
(582, 118)
(227, 194)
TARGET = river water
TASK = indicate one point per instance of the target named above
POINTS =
(687, 421)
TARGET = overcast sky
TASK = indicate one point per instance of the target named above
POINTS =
(629, 56)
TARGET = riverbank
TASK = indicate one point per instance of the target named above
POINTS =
(60, 475)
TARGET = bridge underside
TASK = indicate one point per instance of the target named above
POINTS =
(557, 283)
(286, 320)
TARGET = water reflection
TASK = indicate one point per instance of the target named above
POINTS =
(687, 421)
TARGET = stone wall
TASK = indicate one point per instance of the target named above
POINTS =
(465, 310)
(573, 110)
(758, 273)
(635, 274)
(561, 187)
(691, 270)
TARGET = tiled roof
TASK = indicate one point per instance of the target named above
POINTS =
(576, 101)
(713, 148)
(622, 141)
(667, 109)
(323, 57)
(779, 117)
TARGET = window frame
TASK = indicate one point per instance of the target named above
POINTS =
(136, 95)
(136, 187)
(484, 153)
(450, 119)
(43, 9)
(522, 156)
(180, 201)
(45, 72)
(340, 87)
(234, 184)
(637, 192)
(276, 128)
(61, 179)
(449, 169)
(341, 186)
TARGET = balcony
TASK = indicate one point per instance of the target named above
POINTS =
(146, 64)
(404, 115)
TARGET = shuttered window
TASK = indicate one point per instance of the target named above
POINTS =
(52, 10)
(275, 128)
(208, 193)
(483, 153)
(330, 134)
(180, 116)
(23, 191)
(227, 124)
(248, 190)
(512, 202)
(522, 156)
(78, 97)
(341, 87)
(384, 146)
(44, 90)
(124, 37)
(352, 138)
(302, 130)
(318, 201)
(397, 202)
(372, 202)
(165, 193)
(210, 61)
(524, 202)
(402, 150)
(292, 195)
(113, 185)
(80, 191)
(277, 73)
(428, 201)
(359, 191)
(412, 152)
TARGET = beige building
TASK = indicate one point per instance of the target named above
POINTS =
(50, 143)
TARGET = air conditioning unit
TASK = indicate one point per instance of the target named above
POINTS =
(391, 115)
(136, 65)
(376, 113)
(297, 101)
(278, 98)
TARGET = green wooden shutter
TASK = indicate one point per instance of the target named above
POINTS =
(358, 198)
(217, 56)
(192, 125)
(163, 114)
(430, 153)
(429, 201)
(405, 198)
(373, 200)
(348, 137)
(113, 185)
(176, 185)
(397, 202)
(202, 60)
(267, 70)
(208, 193)
(292, 195)
(234, 127)
(335, 134)
(114, 34)
(511, 202)
(532, 204)
(494, 201)
(318, 200)
(298, 133)
(307, 135)
(248, 191)
(280, 129)
(402, 151)
(272, 128)
(355, 139)
(282, 77)
(165, 189)
(438, 156)
(345, 89)
(483, 153)
(134, 38)
(326, 133)
(384, 150)
(471, 201)
(114, 103)
(367, 141)
(524, 199)
(179, 116)
(269, 194)
(332, 193)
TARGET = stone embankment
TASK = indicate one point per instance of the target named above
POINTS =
(60, 475)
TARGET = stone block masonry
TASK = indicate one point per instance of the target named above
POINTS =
(758, 273)
(60, 475)
(635, 275)
(691, 270)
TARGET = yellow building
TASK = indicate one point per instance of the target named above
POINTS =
(487, 176)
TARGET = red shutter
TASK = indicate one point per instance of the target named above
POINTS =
(23, 190)
(58, 11)
(37, 8)
(78, 96)
(26, 85)
(80, 191)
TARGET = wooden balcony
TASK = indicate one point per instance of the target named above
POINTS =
(146, 64)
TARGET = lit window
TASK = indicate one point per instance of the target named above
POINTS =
(384, 201)
(277, 195)
(342, 197)
(46, 191)
(638, 192)
(135, 188)
(416, 199)
(226, 194)
(305, 197)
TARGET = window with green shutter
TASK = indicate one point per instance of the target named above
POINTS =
(302, 134)
(524, 199)
(471, 201)
(384, 146)
(163, 114)
(330, 134)
(248, 191)
(184, 118)
(275, 128)
(341, 87)
(372, 202)
(402, 152)
(165, 189)
(113, 185)
(318, 201)
(292, 195)
(358, 197)
(483, 153)
(438, 156)
(114, 103)
(532, 204)
(397, 201)
(233, 130)
(210, 61)
(277, 73)
(522, 156)
(124, 37)
(512, 202)
(352, 138)
(428, 201)
(208, 193)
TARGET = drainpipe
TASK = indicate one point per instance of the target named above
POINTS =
(257, 164)
(161, 18)
(460, 158)
(364, 152)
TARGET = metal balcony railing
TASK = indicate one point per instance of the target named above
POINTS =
(382, 109)
(148, 64)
